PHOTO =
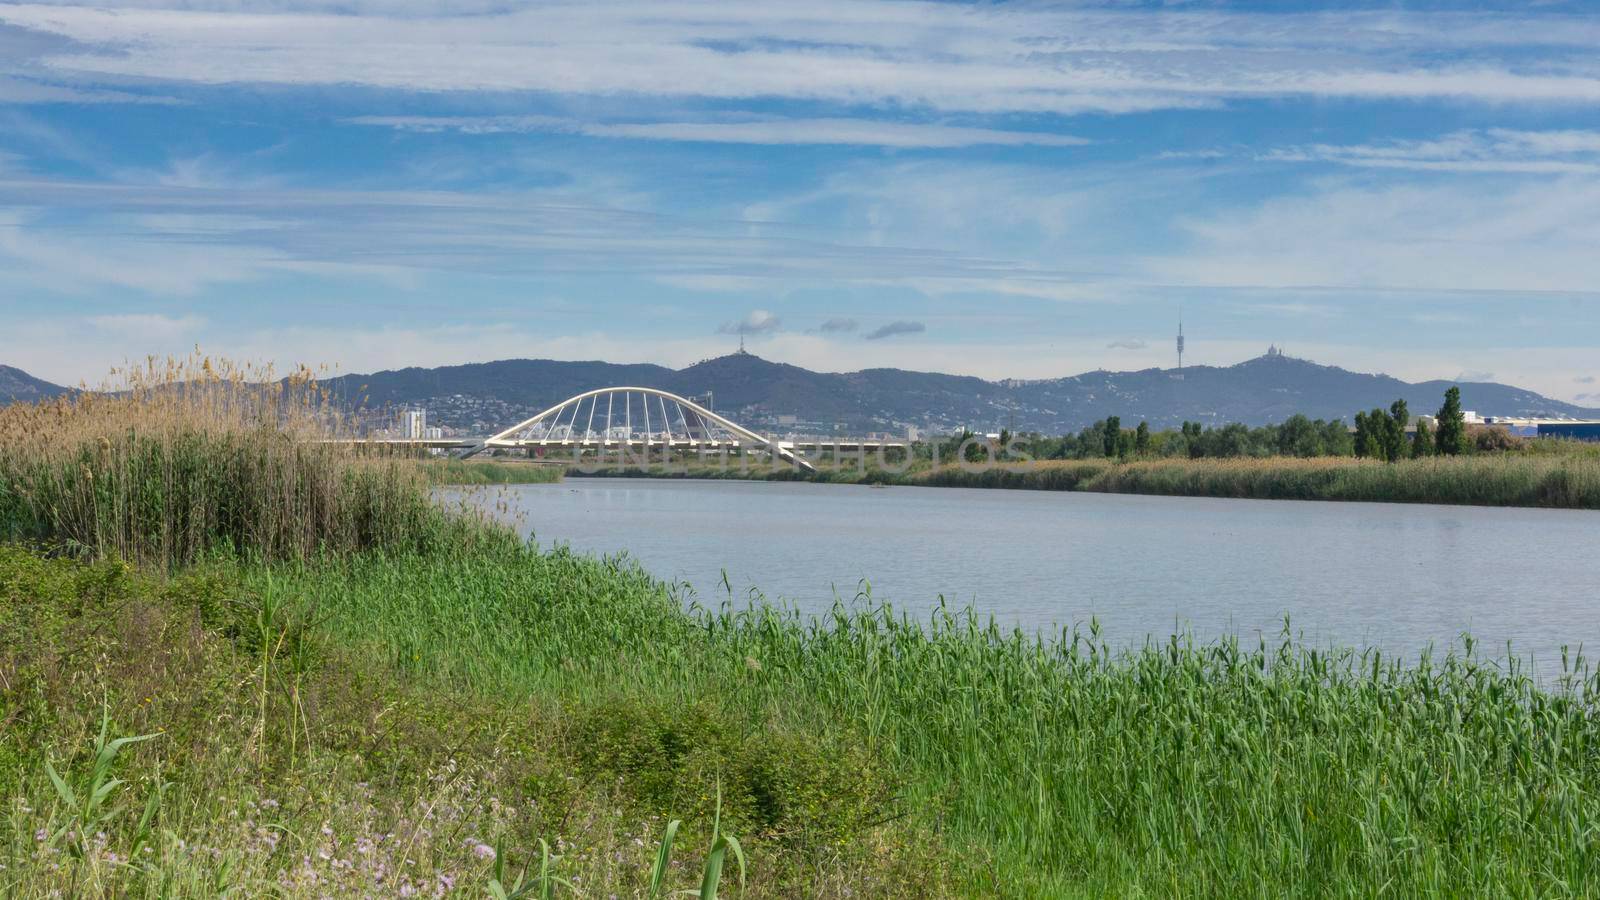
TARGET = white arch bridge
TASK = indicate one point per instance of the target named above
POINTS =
(640, 424)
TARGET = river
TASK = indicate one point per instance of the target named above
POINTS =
(1399, 577)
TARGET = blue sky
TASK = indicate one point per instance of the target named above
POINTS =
(1005, 189)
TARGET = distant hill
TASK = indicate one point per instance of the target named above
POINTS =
(483, 397)
(16, 384)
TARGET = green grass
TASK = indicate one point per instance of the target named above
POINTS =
(290, 757)
(849, 752)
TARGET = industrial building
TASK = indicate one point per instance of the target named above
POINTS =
(1580, 431)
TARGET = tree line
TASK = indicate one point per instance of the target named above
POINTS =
(1379, 434)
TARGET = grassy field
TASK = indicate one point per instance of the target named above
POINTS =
(423, 705)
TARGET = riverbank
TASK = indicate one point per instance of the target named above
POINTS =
(1557, 481)
(467, 473)
(348, 691)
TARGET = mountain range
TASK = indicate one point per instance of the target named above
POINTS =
(16, 384)
(485, 397)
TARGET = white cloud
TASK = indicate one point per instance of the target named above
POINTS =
(1022, 58)
(1525, 237)
(148, 327)
(861, 132)
(757, 321)
(180, 238)
(76, 262)
(1500, 150)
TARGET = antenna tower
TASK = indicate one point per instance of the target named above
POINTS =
(1180, 342)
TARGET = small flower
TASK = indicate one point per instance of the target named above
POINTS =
(41, 835)
(483, 851)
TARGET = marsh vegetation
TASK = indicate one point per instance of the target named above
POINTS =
(338, 688)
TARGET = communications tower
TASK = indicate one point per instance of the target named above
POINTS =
(1180, 343)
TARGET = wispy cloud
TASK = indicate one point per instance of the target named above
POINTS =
(148, 327)
(895, 328)
(992, 59)
(838, 326)
(20, 90)
(1522, 237)
(1127, 345)
(860, 132)
(1567, 152)
(757, 321)
(172, 238)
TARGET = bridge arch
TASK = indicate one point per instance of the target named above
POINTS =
(627, 416)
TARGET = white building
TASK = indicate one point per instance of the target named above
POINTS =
(414, 424)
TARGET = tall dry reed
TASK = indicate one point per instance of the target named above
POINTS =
(175, 458)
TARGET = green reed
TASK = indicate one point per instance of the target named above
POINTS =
(1217, 768)
(1558, 480)
(485, 472)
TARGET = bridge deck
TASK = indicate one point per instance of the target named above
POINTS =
(848, 444)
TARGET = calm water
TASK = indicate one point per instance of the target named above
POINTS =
(1394, 576)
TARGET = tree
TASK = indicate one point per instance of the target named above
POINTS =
(1231, 441)
(1336, 439)
(1191, 438)
(1422, 444)
(1395, 431)
(1141, 439)
(1297, 436)
(1383, 435)
(1363, 436)
(1451, 438)
(1401, 417)
(1113, 435)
